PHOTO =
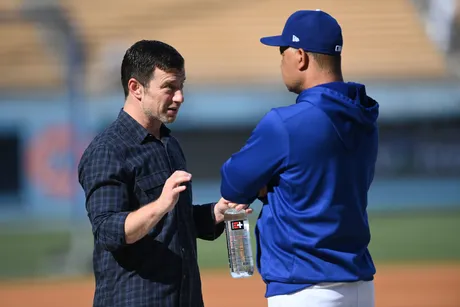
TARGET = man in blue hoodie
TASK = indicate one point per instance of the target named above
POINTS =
(316, 158)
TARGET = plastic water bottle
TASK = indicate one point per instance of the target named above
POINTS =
(238, 243)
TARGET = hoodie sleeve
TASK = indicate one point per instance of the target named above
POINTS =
(263, 155)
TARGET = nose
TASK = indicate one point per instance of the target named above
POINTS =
(178, 96)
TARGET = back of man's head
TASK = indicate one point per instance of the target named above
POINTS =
(328, 64)
(143, 57)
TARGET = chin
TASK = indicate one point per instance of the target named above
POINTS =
(170, 120)
(290, 88)
(293, 89)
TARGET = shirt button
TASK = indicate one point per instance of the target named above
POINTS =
(183, 250)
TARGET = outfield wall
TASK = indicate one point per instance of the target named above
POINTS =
(418, 166)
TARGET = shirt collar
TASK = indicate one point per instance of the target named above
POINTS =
(135, 130)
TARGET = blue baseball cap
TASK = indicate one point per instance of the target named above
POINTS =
(311, 30)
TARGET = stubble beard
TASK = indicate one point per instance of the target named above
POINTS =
(152, 117)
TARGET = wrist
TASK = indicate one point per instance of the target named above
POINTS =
(157, 208)
(218, 216)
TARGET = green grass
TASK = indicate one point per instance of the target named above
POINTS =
(28, 254)
(400, 237)
(395, 238)
(424, 237)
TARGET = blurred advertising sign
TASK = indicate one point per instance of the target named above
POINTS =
(420, 150)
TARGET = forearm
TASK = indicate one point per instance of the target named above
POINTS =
(138, 223)
(263, 156)
(234, 189)
(207, 225)
(112, 231)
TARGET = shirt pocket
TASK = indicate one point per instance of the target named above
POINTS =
(151, 186)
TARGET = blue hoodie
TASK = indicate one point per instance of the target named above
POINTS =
(317, 158)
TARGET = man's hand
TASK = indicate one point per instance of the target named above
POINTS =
(222, 206)
(172, 188)
(138, 223)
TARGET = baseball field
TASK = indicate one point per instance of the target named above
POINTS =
(417, 258)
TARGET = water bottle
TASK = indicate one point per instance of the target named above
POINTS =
(238, 243)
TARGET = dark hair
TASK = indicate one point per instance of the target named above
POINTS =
(330, 63)
(143, 57)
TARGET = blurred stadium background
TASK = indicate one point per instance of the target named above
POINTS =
(59, 86)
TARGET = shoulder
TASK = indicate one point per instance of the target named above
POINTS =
(281, 117)
(274, 116)
(104, 148)
(286, 113)
(108, 139)
(101, 162)
(271, 124)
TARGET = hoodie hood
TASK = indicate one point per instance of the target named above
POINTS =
(351, 111)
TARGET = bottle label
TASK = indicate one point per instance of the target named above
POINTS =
(237, 225)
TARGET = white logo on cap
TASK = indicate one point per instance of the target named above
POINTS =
(295, 38)
(338, 48)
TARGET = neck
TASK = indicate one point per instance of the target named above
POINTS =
(319, 79)
(135, 111)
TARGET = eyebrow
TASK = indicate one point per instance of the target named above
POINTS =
(168, 83)
(172, 83)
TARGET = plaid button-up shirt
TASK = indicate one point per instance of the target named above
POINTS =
(123, 169)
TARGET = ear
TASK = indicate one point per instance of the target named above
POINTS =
(135, 88)
(303, 59)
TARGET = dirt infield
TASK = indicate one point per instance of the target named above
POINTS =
(396, 286)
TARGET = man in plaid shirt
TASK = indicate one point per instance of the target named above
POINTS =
(138, 192)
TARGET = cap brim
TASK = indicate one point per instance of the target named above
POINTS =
(275, 41)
